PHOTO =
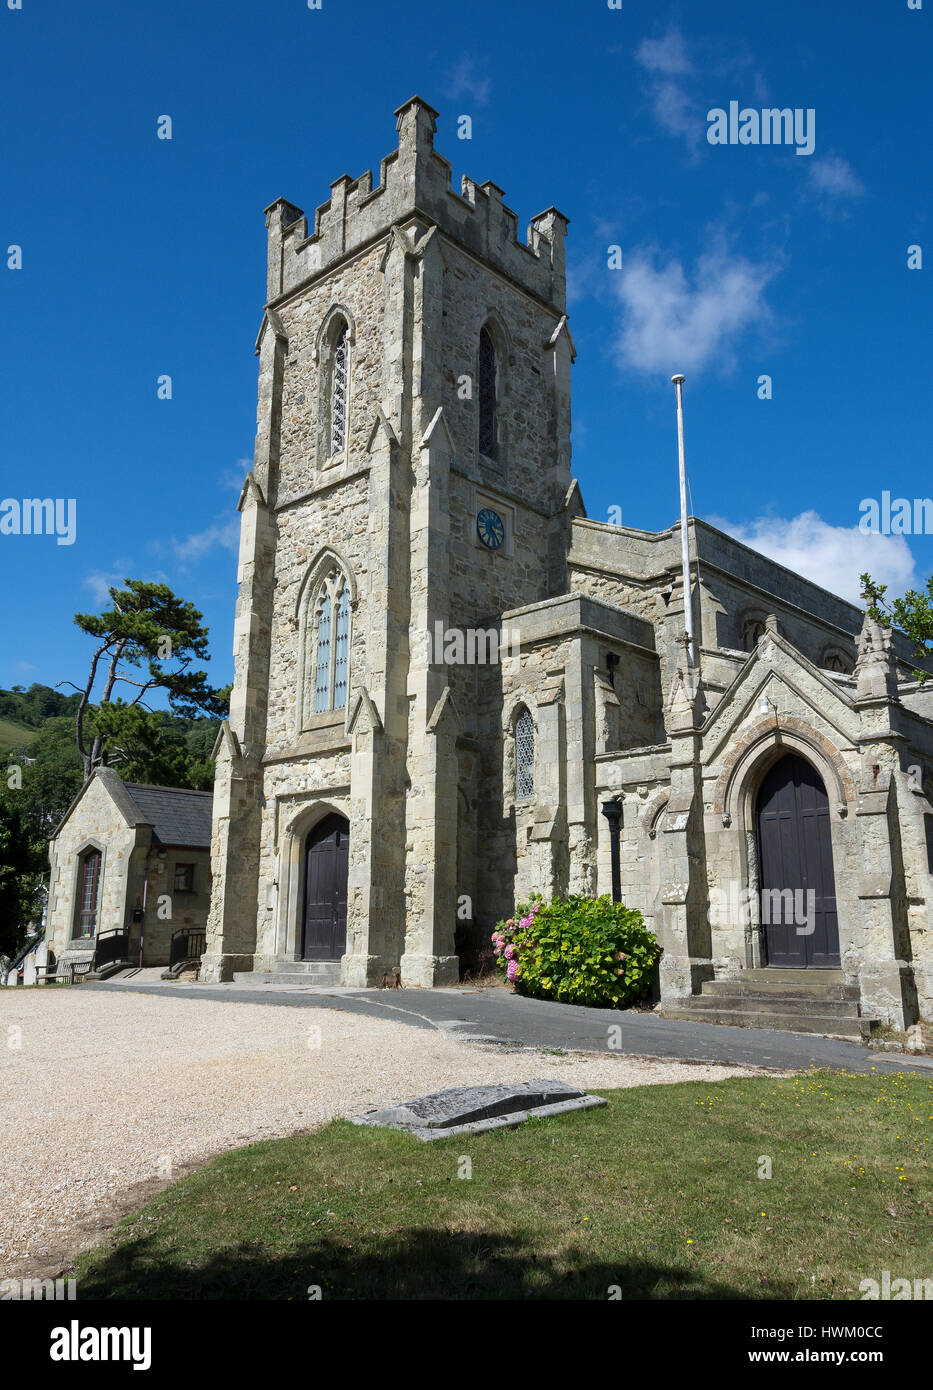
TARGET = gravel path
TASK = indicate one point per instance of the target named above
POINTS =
(104, 1096)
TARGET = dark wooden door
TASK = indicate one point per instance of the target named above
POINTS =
(796, 854)
(324, 931)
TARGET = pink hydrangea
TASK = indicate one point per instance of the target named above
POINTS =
(511, 970)
(510, 952)
(527, 921)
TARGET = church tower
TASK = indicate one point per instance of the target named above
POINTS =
(411, 484)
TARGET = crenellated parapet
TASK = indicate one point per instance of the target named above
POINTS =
(414, 180)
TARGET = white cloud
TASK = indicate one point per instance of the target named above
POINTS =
(671, 324)
(101, 582)
(832, 556)
(667, 55)
(676, 112)
(834, 177)
(233, 478)
(674, 109)
(225, 534)
(463, 82)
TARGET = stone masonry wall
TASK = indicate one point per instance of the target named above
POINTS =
(187, 909)
(358, 287)
(95, 821)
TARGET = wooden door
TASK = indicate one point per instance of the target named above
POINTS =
(324, 928)
(796, 860)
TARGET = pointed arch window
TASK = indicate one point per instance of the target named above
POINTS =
(752, 633)
(89, 867)
(339, 390)
(323, 651)
(342, 650)
(524, 756)
(488, 396)
(836, 660)
(330, 644)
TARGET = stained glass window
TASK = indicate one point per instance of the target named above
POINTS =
(88, 892)
(339, 390)
(328, 652)
(524, 755)
(322, 677)
(341, 650)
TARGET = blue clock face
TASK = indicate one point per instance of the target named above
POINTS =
(490, 528)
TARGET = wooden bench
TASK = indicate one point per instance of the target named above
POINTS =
(68, 970)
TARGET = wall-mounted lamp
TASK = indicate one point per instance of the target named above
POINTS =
(766, 704)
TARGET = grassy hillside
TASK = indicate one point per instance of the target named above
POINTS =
(23, 713)
(171, 750)
(13, 734)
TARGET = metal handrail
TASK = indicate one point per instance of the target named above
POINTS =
(187, 944)
(111, 946)
(20, 955)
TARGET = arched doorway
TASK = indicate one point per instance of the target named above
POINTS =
(798, 887)
(324, 920)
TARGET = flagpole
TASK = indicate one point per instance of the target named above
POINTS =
(684, 538)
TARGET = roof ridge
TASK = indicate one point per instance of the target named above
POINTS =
(158, 787)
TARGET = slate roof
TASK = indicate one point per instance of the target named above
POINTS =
(178, 816)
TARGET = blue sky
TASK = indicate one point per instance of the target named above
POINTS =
(142, 257)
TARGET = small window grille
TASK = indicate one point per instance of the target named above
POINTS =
(524, 756)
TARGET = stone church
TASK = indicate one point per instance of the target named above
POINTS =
(453, 688)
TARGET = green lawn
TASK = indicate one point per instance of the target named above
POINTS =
(657, 1194)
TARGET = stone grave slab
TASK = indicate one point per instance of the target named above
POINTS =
(475, 1109)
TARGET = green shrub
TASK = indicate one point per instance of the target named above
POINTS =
(579, 950)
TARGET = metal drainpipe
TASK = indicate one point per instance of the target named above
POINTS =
(142, 924)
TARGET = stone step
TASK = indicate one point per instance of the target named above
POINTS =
(780, 1003)
(295, 972)
(303, 967)
(832, 1025)
(267, 978)
(790, 977)
(775, 989)
(306, 967)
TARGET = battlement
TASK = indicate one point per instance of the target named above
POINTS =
(414, 180)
